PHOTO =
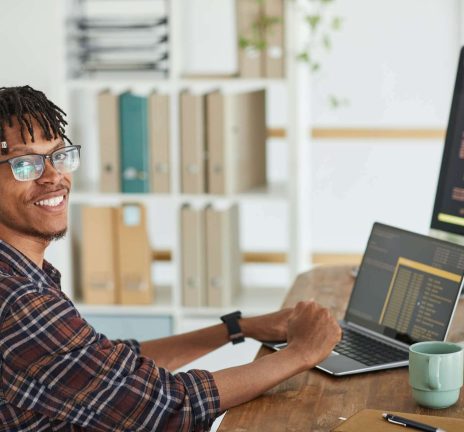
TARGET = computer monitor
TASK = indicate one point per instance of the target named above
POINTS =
(448, 212)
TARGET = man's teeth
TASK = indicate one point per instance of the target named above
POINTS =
(52, 202)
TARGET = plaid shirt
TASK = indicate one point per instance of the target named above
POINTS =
(59, 374)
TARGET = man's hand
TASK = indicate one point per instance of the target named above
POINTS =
(269, 327)
(312, 332)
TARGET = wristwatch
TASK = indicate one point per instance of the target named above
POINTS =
(233, 327)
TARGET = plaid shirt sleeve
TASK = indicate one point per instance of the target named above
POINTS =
(131, 343)
(57, 365)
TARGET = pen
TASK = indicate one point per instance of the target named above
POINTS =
(401, 421)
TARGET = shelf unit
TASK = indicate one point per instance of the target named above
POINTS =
(294, 192)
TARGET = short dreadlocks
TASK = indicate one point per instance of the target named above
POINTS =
(26, 104)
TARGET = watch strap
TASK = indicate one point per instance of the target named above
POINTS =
(233, 327)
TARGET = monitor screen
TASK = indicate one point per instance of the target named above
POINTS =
(448, 212)
(407, 286)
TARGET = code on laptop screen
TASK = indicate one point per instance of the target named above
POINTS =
(407, 285)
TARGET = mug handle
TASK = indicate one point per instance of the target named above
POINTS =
(434, 373)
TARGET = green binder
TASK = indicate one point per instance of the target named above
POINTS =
(134, 143)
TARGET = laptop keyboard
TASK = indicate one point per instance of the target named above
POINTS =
(367, 350)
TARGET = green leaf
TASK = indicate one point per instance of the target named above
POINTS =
(243, 42)
(271, 21)
(303, 56)
(333, 102)
(336, 23)
(313, 21)
(257, 25)
(336, 102)
(326, 42)
(315, 66)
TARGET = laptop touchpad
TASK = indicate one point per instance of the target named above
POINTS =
(338, 364)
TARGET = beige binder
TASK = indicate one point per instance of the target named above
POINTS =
(215, 115)
(236, 135)
(250, 59)
(193, 143)
(274, 55)
(108, 133)
(193, 239)
(158, 115)
(223, 255)
(134, 255)
(100, 277)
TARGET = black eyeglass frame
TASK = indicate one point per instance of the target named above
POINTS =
(44, 157)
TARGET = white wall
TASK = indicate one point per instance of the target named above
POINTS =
(359, 182)
(32, 45)
(395, 61)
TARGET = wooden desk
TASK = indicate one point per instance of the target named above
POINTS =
(313, 401)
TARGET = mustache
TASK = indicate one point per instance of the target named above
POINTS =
(49, 190)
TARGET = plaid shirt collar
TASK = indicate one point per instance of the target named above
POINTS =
(14, 263)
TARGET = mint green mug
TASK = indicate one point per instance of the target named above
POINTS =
(436, 373)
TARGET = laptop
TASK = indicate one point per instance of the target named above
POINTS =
(406, 291)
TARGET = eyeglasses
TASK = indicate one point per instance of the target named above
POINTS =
(31, 166)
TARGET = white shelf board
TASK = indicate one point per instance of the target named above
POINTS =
(146, 80)
(163, 306)
(125, 309)
(270, 192)
(235, 82)
(251, 301)
(114, 198)
(101, 83)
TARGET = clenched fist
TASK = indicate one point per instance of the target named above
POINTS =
(312, 332)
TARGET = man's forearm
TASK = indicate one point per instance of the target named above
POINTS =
(240, 384)
(175, 351)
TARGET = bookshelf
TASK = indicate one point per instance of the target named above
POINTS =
(291, 192)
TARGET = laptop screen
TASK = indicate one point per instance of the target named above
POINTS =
(407, 285)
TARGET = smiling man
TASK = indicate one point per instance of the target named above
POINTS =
(59, 373)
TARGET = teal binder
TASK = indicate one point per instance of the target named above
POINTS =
(134, 143)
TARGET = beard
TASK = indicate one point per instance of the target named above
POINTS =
(48, 237)
(40, 235)
(44, 234)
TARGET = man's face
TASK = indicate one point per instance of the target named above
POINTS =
(37, 208)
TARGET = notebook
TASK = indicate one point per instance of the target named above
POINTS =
(406, 291)
(372, 421)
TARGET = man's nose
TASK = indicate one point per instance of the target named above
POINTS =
(50, 175)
